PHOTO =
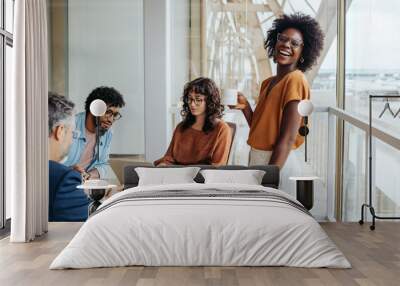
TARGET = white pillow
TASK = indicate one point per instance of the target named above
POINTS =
(166, 176)
(248, 177)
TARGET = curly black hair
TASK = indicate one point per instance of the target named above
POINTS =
(214, 109)
(313, 37)
(109, 95)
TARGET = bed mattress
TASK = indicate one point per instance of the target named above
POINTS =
(201, 225)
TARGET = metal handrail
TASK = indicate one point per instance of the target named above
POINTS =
(361, 123)
(384, 136)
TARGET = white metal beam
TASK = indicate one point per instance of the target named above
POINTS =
(238, 7)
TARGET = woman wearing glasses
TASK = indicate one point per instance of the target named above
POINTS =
(202, 137)
(294, 43)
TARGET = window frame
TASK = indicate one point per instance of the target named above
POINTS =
(6, 39)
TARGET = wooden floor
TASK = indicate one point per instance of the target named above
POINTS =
(375, 257)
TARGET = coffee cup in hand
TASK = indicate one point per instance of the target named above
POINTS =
(230, 96)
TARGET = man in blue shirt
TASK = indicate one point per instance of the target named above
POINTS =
(66, 202)
(82, 155)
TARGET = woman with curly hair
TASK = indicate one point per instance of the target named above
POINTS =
(202, 137)
(294, 42)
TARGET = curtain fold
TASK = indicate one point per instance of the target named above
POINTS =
(26, 123)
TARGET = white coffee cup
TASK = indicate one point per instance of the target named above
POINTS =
(230, 96)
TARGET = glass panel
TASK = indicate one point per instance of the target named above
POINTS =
(9, 9)
(2, 202)
(354, 172)
(81, 59)
(1, 14)
(8, 90)
(385, 179)
(317, 160)
(367, 72)
(386, 166)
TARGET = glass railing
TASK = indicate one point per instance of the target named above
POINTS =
(385, 166)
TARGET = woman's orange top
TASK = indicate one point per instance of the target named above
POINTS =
(194, 147)
(267, 117)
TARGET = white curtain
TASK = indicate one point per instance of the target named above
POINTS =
(26, 123)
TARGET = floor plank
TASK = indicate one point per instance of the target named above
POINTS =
(374, 255)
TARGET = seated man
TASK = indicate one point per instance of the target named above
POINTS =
(66, 202)
(82, 156)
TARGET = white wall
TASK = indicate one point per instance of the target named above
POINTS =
(180, 41)
(157, 76)
(106, 48)
(166, 30)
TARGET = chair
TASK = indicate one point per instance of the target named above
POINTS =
(233, 133)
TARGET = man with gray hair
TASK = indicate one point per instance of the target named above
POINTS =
(66, 202)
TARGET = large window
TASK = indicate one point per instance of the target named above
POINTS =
(372, 67)
(6, 43)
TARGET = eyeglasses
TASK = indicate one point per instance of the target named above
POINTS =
(115, 115)
(197, 101)
(293, 42)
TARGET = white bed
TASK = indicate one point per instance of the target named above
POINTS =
(203, 231)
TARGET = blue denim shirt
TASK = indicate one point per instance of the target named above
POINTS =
(79, 143)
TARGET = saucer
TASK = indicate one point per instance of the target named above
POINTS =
(84, 187)
(96, 185)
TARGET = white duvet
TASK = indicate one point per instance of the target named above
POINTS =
(200, 231)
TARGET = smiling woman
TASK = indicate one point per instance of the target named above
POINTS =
(294, 42)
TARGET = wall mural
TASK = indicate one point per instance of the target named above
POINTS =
(219, 64)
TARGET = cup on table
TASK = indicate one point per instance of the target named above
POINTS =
(229, 96)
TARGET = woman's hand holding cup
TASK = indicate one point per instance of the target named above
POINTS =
(242, 102)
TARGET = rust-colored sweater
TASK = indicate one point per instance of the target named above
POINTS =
(194, 147)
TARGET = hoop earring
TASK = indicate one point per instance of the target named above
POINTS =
(301, 60)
